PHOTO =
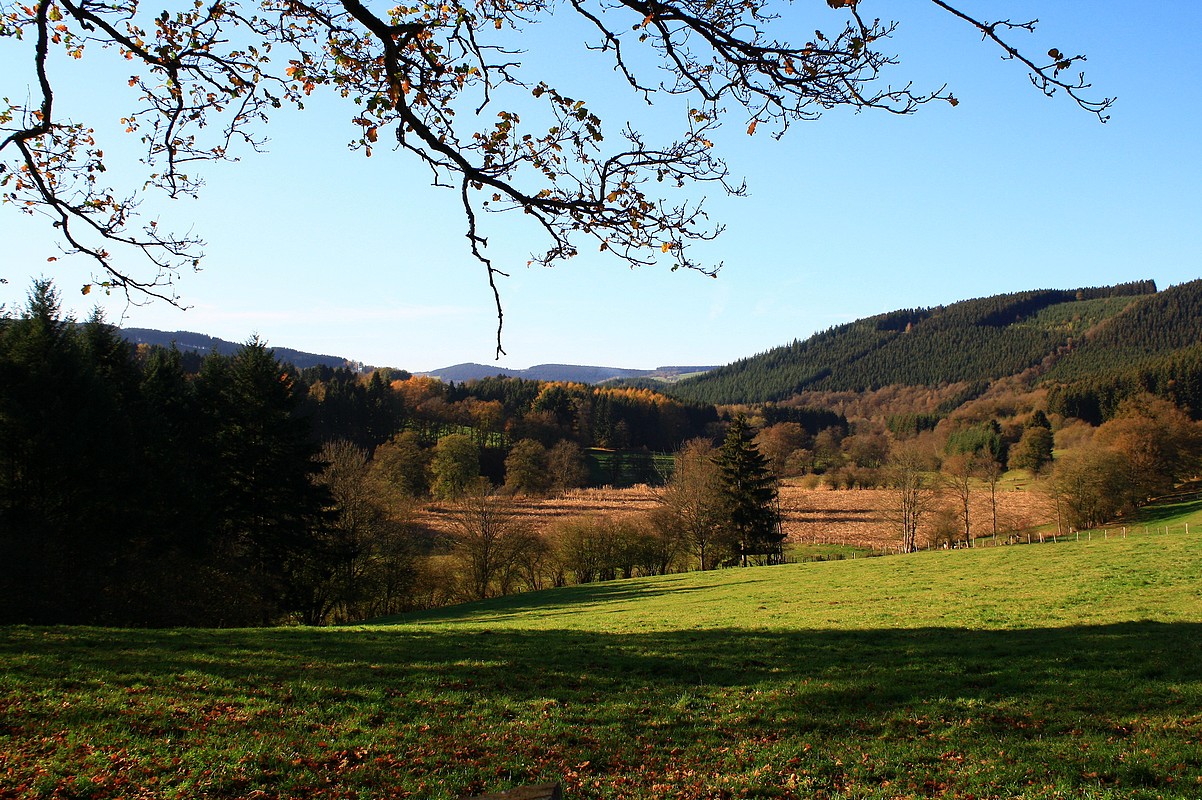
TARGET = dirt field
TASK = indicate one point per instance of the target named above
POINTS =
(858, 517)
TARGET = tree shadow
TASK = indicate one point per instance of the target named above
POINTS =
(572, 598)
(613, 699)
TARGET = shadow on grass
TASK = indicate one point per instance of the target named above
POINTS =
(1186, 501)
(1123, 669)
(572, 598)
(305, 712)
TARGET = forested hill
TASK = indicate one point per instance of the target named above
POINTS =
(975, 340)
(1153, 346)
(200, 344)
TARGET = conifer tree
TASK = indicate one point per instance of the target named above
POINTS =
(749, 489)
(264, 504)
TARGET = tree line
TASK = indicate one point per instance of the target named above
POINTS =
(144, 486)
(141, 485)
(131, 491)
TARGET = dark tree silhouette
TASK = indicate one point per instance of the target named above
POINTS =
(749, 490)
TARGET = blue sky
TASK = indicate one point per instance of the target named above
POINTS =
(320, 249)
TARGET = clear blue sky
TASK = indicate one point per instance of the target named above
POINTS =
(319, 249)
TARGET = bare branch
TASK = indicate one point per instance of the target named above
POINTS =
(428, 77)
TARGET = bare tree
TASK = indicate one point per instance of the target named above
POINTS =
(693, 507)
(990, 469)
(489, 541)
(909, 472)
(958, 472)
(366, 562)
(207, 77)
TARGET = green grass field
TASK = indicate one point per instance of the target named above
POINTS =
(1011, 672)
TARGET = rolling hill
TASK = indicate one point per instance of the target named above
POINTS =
(187, 341)
(1091, 347)
(568, 373)
(1120, 335)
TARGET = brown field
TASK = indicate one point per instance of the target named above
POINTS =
(860, 517)
(856, 517)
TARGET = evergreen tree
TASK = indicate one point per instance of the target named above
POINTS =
(749, 489)
(61, 467)
(265, 507)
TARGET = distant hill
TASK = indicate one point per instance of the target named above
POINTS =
(200, 343)
(1067, 333)
(568, 373)
(1091, 347)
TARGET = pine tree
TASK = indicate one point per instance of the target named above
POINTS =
(749, 489)
(265, 506)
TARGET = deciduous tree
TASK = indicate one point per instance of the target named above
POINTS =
(1158, 445)
(403, 463)
(913, 493)
(489, 542)
(1088, 485)
(567, 466)
(958, 473)
(692, 508)
(526, 469)
(455, 467)
(443, 83)
(990, 470)
(778, 442)
(1033, 450)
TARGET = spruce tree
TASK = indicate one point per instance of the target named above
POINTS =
(749, 489)
(264, 504)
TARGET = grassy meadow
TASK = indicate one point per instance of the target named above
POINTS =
(1052, 671)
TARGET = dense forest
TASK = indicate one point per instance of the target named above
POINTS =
(972, 341)
(1153, 346)
(142, 484)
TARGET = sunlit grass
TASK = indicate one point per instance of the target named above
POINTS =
(1052, 671)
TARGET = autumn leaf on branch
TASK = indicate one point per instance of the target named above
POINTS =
(208, 77)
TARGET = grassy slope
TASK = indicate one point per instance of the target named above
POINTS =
(1070, 670)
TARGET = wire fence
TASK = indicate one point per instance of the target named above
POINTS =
(859, 549)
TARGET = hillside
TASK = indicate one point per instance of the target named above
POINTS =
(187, 341)
(1154, 345)
(1057, 671)
(566, 373)
(974, 341)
